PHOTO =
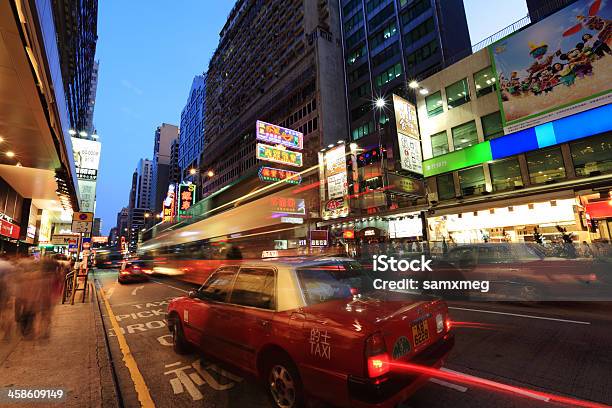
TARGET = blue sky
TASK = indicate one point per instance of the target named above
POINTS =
(149, 52)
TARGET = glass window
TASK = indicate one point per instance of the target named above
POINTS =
(446, 186)
(592, 156)
(434, 104)
(362, 130)
(355, 55)
(545, 165)
(383, 35)
(492, 126)
(472, 181)
(465, 135)
(322, 283)
(484, 81)
(254, 287)
(389, 75)
(506, 174)
(420, 31)
(422, 53)
(218, 285)
(457, 94)
(439, 144)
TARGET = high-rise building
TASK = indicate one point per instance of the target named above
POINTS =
(174, 171)
(76, 22)
(388, 43)
(122, 222)
(191, 140)
(96, 227)
(278, 62)
(164, 136)
(143, 184)
(89, 125)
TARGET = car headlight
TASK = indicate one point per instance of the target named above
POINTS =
(439, 323)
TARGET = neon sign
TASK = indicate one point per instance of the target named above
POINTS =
(279, 155)
(272, 174)
(277, 135)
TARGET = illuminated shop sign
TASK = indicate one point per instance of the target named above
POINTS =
(9, 229)
(277, 135)
(288, 205)
(318, 238)
(187, 197)
(578, 126)
(408, 137)
(272, 174)
(335, 172)
(168, 207)
(405, 185)
(335, 208)
(292, 220)
(555, 67)
(278, 155)
(348, 234)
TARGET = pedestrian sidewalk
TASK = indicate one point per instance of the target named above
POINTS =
(73, 358)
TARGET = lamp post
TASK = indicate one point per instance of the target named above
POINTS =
(379, 105)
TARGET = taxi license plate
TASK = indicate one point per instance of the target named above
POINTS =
(420, 333)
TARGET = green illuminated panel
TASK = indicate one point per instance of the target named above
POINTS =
(459, 159)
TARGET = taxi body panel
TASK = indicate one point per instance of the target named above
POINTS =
(320, 324)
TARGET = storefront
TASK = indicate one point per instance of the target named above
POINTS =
(517, 222)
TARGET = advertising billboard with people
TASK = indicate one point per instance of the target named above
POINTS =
(556, 67)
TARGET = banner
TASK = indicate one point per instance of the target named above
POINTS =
(408, 137)
(557, 67)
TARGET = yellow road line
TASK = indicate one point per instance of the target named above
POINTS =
(139, 383)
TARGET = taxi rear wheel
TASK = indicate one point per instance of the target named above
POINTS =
(179, 343)
(284, 384)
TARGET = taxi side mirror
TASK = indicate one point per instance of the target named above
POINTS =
(192, 294)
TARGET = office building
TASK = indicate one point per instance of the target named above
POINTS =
(540, 9)
(89, 125)
(76, 22)
(96, 227)
(174, 171)
(122, 222)
(191, 139)
(280, 62)
(160, 171)
(389, 43)
(143, 184)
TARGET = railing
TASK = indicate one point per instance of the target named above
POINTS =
(517, 25)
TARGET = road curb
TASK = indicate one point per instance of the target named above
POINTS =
(109, 387)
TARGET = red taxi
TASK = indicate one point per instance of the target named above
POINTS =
(314, 328)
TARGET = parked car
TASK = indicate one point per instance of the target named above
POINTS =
(134, 271)
(314, 328)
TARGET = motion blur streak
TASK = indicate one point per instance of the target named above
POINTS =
(475, 325)
(493, 385)
(307, 187)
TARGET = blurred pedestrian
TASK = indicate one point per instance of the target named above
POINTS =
(585, 249)
(6, 294)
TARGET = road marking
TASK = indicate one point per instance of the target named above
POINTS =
(514, 389)
(459, 388)
(170, 286)
(110, 292)
(139, 383)
(136, 290)
(520, 315)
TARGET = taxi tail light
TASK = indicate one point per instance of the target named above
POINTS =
(448, 323)
(377, 358)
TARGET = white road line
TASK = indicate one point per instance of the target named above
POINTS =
(109, 292)
(136, 290)
(170, 286)
(520, 315)
(516, 390)
(456, 387)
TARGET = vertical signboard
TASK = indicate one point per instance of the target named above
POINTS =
(335, 203)
(408, 136)
(86, 160)
(169, 204)
(186, 198)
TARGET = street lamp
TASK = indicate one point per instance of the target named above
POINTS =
(147, 215)
(210, 173)
(192, 171)
(380, 103)
(413, 84)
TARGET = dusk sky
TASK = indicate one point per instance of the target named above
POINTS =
(149, 53)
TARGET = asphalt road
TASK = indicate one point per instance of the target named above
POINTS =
(531, 354)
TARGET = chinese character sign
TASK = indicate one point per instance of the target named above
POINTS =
(335, 171)
(169, 201)
(405, 117)
(410, 154)
(288, 205)
(278, 155)
(272, 174)
(277, 135)
(186, 197)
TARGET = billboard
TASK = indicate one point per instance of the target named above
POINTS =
(276, 135)
(86, 156)
(187, 197)
(87, 194)
(408, 137)
(556, 67)
(169, 204)
(278, 155)
(271, 174)
(335, 172)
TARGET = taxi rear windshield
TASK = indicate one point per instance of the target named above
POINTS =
(325, 282)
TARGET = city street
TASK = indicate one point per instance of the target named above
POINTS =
(553, 349)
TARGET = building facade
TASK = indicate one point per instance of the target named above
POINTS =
(143, 184)
(193, 123)
(89, 125)
(389, 43)
(278, 62)
(488, 185)
(77, 33)
(174, 171)
(164, 137)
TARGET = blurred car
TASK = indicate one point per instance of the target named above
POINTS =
(314, 328)
(134, 271)
(523, 271)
